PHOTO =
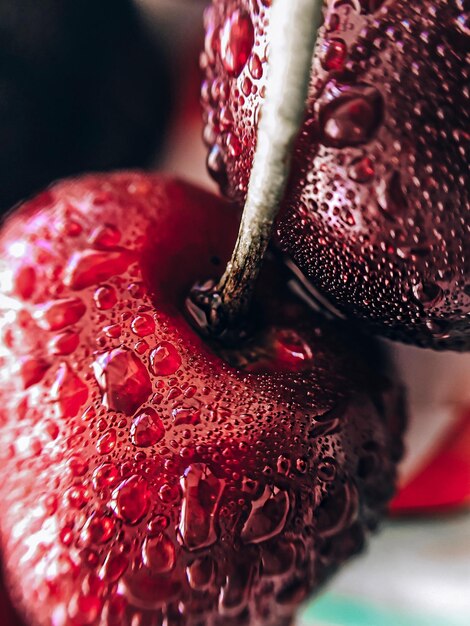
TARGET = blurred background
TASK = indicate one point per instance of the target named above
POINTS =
(113, 84)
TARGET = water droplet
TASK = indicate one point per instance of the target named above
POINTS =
(226, 118)
(428, 294)
(165, 359)
(236, 42)
(98, 530)
(83, 610)
(158, 554)
(391, 195)
(151, 591)
(113, 331)
(65, 343)
(463, 24)
(115, 567)
(267, 516)
(283, 465)
(200, 573)
(233, 145)
(293, 592)
(77, 496)
(438, 328)
(72, 228)
(68, 391)
(77, 465)
(66, 536)
(337, 511)
(89, 414)
(334, 55)
(25, 282)
(279, 561)
(157, 524)
(105, 297)
(32, 371)
(235, 593)
(291, 350)
(123, 379)
(327, 470)
(361, 170)
(107, 442)
(107, 236)
(370, 6)
(131, 500)
(349, 115)
(246, 90)
(256, 67)
(90, 267)
(137, 290)
(115, 611)
(201, 495)
(105, 475)
(141, 347)
(333, 22)
(211, 41)
(143, 325)
(216, 166)
(60, 314)
(147, 429)
(187, 417)
(169, 493)
(51, 429)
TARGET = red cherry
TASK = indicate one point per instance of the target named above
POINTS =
(176, 487)
(376, 214)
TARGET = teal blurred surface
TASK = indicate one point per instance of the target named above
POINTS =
(416, 573)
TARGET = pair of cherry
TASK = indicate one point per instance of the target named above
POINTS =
(154, 476)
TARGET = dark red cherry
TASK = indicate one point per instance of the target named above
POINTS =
(376, 214)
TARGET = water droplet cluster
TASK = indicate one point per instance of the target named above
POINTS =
(378, 210)
(144, 479)
(233, 60)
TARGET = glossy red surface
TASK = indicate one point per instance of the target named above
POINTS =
(376, 214)
(144, 477)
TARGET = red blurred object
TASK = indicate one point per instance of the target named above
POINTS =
(443, 483)
(8, 616)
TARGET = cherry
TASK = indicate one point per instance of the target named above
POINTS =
(376, 213)
(149, 476)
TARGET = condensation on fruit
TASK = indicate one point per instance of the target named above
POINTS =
(348, 115)
(123, 379)
(378, 197)
(147, 429)
(147, 480)
(236, 42)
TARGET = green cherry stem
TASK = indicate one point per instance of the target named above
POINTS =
(292, 36)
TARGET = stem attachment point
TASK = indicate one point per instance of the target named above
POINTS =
(220, 310)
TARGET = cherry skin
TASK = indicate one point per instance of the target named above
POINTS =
(144, 478)
(376, 214)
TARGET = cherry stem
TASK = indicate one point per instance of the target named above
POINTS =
(292, 36)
